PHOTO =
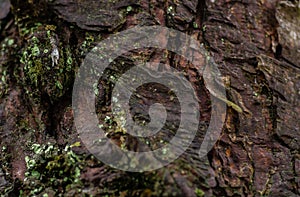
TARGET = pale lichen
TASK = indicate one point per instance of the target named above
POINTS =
(54, 53)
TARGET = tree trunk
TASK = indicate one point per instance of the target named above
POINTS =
(255, 45)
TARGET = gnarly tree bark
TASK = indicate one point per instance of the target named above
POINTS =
(255, 45)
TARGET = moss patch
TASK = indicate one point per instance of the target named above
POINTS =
(41, 75)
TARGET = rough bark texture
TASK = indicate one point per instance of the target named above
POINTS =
(255, 45)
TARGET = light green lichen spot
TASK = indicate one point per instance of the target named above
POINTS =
(35, 51)
(69, 60)
(59, 85)
(10, 42)
(129, 8)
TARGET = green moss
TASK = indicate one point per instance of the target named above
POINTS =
(8, 47)
(3, 81)
(195, 25)
(199, 192)
(41, 75)
(35, 51)
(53, 167)
(87, 44)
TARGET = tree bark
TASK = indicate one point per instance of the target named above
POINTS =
(255, 45)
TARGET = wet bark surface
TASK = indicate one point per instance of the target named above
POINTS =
(255, 45)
